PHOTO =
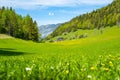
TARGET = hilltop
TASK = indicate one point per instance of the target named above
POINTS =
(100, 18)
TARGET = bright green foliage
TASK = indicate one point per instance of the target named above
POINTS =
(106, 16)
(83, 34)
(95, 58)
(17, 26)
(57, 68)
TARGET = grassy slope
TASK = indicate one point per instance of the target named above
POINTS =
(89, 33)
(108, 42)
(52, 60)
(3, 36)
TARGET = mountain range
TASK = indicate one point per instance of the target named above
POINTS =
(45, 30)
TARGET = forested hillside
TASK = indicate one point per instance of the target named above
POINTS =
(17, 26)
(106, 16)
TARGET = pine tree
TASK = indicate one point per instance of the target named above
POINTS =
(17, 26)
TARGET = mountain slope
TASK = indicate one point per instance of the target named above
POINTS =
(106, 16)
(45, 30)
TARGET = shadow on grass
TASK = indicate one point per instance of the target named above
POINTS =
(9, 52)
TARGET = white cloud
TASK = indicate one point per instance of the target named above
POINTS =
(57, 2)
(94, 2)
(41, 22)
(18, 4)
(51, 14)
(31, 4)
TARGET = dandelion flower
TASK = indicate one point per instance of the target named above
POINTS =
(89, 76)
(92, 68)
(111, 64)
(110, 55)
(28, 69)
(67, 71)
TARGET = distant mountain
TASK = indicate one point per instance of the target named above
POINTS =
(106, 16)
(45, 30)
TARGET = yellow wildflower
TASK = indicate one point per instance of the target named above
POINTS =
(111, 64)
(67, 71)
(92, 68)
(110, 55)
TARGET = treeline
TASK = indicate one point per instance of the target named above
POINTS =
(106, 16)
(17, 26)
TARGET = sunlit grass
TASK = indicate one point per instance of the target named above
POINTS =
(3, 36)
(95, 58)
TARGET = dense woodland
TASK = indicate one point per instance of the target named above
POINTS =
(17, 26)
(106, 16)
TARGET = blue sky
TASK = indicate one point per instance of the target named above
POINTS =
(53, 11)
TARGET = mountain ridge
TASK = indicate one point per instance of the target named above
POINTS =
(105, 16)
(45, 30)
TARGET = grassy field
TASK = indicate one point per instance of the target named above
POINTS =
(85, 33)
(96, 57)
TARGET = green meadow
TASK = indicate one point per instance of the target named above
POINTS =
(96, 57)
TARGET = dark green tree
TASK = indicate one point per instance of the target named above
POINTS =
(17, 26)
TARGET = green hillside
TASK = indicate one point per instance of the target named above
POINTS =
(83, 34)
(106, 16)
(96, 57)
